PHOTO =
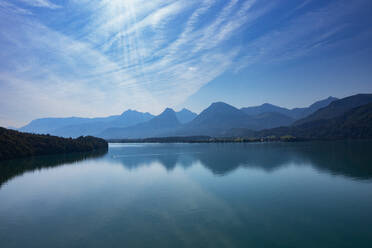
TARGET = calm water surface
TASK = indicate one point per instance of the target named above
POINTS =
(191, 195)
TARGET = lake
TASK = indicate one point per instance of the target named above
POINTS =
(306, 194)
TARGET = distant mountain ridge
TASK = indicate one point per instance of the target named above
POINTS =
(265, 108)
(185, 115)
(97, 125)
(217, 120)
(337, 108)
(214, 120)
(75, 126)
(47, 125)
(295, 113)
(355, 123)
(347, 118)
(158, 125)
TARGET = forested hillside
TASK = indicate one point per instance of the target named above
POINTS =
(14, 144)
(354, 124)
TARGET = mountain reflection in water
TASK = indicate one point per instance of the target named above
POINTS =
(347, 158)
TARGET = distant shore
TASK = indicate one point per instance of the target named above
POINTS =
(206, 139)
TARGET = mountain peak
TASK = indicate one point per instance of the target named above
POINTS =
(168, 111)
(129, 111)
(336, 108)
(220, 105)
(167, 114)
(265, 108)
(184, 110)
(153, 127)
(167, 118)
(219, 114)
(185, 115)
(267, 105)
(322, 103)
(221, 108)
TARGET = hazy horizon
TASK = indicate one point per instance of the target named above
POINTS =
(155, 114)
(100, 58)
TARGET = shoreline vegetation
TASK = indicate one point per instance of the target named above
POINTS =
(14, 144)
(207, 139)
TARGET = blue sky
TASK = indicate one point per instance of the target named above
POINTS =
(100, 57)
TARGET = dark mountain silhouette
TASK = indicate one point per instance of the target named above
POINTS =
(296, 113)
(215, 120)
(220, 117)
(354, 124)
(337, 108)
(130, 118)
(158, 125)
(265, 108)
(218, 120)
(75, 127)
(185, 115)
(272, 119)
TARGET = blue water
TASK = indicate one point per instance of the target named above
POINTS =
(308, 194)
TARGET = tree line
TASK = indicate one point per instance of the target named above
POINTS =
(14, 144)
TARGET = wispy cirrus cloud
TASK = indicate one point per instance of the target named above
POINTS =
(100, 57)
(41, 3)
(313, 31)
(7, 7)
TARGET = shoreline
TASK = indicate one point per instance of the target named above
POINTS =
(207, 140)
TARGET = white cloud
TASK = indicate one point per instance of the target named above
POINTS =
(73, 86)
(7, 7)
(41, 3)
(110, 55)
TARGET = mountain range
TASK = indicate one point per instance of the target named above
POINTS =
(353, 124)
(347, 118)
(295, 113)
(217, 120)
(157, 126)
(76, 126)
(337, 108)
